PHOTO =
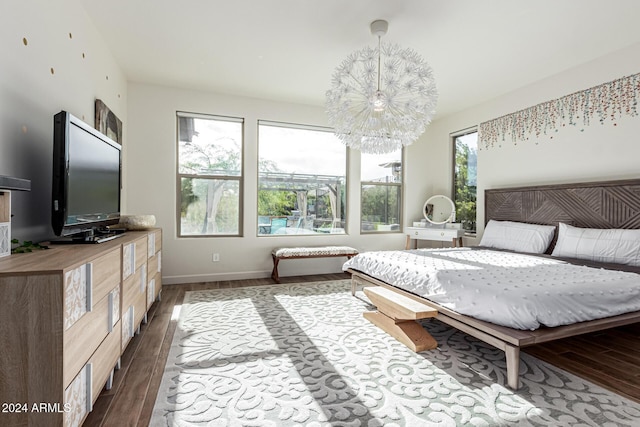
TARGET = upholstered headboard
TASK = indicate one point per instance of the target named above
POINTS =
(610, 204)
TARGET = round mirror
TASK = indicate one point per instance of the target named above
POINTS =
(439, 209)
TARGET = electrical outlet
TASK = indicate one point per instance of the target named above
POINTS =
(215, 257)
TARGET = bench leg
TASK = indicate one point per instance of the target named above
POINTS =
(408, 332)
(274, 272)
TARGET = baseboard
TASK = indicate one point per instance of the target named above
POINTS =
(197, 278)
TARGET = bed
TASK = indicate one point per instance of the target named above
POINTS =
(593, 206)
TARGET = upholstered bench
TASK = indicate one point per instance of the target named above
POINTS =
(308, 252)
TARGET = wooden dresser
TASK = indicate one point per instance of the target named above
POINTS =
(66, 316)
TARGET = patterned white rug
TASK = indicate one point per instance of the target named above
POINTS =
(303, 355)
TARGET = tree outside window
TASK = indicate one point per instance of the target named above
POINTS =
(209, 174)
(465, 178)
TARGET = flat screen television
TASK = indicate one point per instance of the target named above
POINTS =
(87, 175)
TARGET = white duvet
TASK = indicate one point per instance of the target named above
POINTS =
(515, 290)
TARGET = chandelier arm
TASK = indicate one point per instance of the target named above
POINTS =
(358, 83)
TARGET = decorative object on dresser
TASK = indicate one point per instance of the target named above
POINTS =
(8, 183)
(137, 222)
(67, 317)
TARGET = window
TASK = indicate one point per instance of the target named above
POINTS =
(465, 158)
(301, 180)
(209, 175)
(381, 192)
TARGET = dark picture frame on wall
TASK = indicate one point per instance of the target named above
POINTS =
(107, 122)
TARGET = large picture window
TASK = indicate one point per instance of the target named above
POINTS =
(301, 180)
(209, 175)
(465, 157)
(381, 192)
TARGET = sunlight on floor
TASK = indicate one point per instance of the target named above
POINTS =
(176, 312)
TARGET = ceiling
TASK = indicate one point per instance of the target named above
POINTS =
(287, 50)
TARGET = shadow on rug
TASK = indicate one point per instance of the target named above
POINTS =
(302, 354)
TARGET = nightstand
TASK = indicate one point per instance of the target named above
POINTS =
(453, 235)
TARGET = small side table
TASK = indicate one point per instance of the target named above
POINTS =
(452, 235)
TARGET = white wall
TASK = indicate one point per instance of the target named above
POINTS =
(573, 154)
(64, 65)
(151, 188)
(596, 152)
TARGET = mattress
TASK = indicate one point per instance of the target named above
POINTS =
(510, 289)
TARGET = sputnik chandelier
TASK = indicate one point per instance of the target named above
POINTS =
(381, 99)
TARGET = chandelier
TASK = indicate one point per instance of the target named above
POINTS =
(381, 99)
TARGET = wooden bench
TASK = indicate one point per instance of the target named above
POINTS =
(397, 315)
(308, 252)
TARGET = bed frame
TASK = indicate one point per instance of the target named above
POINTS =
(611, 204)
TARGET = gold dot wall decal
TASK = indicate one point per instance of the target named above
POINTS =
(25, 41)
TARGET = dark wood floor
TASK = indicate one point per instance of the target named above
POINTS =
(610, 358)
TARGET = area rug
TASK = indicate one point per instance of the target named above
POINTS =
(303, 355)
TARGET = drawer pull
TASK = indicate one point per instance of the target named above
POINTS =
(78, 397)
(151, 249)
(114, 308)
(143, 279)
(128, 260)
(151, 292)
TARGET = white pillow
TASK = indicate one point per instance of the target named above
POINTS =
(517, 236)
(602, 245)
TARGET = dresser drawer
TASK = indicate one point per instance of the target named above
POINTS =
(104, 359)
(433, 233)
(87, 283)
(154, 243)
(153, 288)
(154, 264)
(134, 254)
(134, 293)
(82, 339)
(78, 398)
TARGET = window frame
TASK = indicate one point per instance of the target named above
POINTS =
(239, 178)
(299, 126)
(453, 136)
(387, 184)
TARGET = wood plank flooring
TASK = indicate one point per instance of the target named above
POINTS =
(609, 358)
